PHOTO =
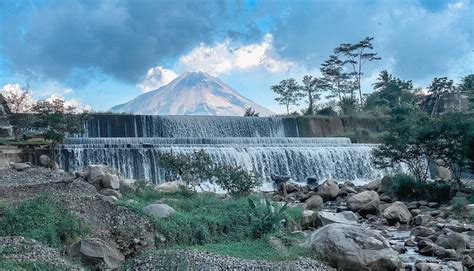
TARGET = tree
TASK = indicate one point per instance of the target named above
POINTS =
(193, 168)
(356, 57)
(390, 92)
(409, 140)
(289, 91)
(467, 86)
(312, 86)
(55, 120)
(338, 82)
(19, 101)
(250, 112)
(236, 180)
(438, 87)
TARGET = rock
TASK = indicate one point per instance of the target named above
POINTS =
(95, 173)
(422, 266)
(415, 212)
(347, 190)
(171, 187)
(351, 247)
(397, 212)
(453, 240)
(328, 190)
(45, 161)
(111, 193)
(373, 185)
(127, 186)
(421, 220)
(307, 219)
(386, 198)
(111, 181)
(20, 166)
(428, 248)
(446, 254)
(277, 244)
(98, 249)
(291, 187)
(385, 185)
(313, 181)
(364, 203)
(279, 179)
(315, 202)
(400, 248)
(433, 205)
(467, 261)
(325, 218)
(160, 210)
(421, 231)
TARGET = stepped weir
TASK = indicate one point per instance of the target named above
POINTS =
(132, 144)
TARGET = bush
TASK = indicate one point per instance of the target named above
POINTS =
(236, 180)
(43, 220)
(406, 187)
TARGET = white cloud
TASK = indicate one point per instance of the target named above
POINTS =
(72, 102)
(456, 5)
(222, 57)
(68, 90)
(15, 89)
(156, 77)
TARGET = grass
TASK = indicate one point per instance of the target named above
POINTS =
(208, 222)
(21, 142)
(43, 220)
(6, 264)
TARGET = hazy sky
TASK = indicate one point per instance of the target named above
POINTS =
(103, 53)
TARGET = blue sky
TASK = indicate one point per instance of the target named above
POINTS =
(104, 53)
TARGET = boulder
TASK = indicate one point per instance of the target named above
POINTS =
(328, 190)
(421, 231)
(96, 249)
(428, 248)
(423, 266)
(385, 185)
(20, 166)
(373, 185)
(171, 187)
(127, 186)
(95, 173)
(397, 212)
(350, 247)
(160, 210)
(325, 218)
(315, 202)
(111, 181)
(313, 181)
(453, 240)
(364, 203)
(111, 193)
(277, 244)
(45, 161)
(307, 219)
(421, 220)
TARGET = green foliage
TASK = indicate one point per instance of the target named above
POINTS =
(250, 112)
(360, 135)
(43, 220)
(467, 86)
(338, 82)
(311, 87)
(267, 216)
(347, 105)
(326, 111)
(7, 264)
(192, 168)
(405, 187)
(236, 180)
(289, 93)
(458, 205)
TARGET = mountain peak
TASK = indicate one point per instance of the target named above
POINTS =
(192, 93)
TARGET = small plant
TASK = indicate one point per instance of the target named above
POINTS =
(250, 112)
(236, 180)
(406, 187)
(267, 217)
(458, 205)
(43, 220)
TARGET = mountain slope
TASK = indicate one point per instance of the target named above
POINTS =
(192, 93)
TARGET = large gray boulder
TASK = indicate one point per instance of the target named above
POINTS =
(20, 166)
(314, 202)
(364, 203)
(111, 181)
(328, 190)
(325, 218)
(95, 173)
(397, 212)
(159, 209)
(97, 249)
(351, 247)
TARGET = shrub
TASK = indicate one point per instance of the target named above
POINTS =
(406, 187)
(267, 217)
(236, 180)
(43, 220)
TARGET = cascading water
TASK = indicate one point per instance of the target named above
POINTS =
(133, 145)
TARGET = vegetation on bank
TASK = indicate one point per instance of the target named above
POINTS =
(43, 220)
(233, 226)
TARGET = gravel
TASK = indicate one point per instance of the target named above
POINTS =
(21, 249)
(198, 260)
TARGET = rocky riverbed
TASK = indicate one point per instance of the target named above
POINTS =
(348, 227)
